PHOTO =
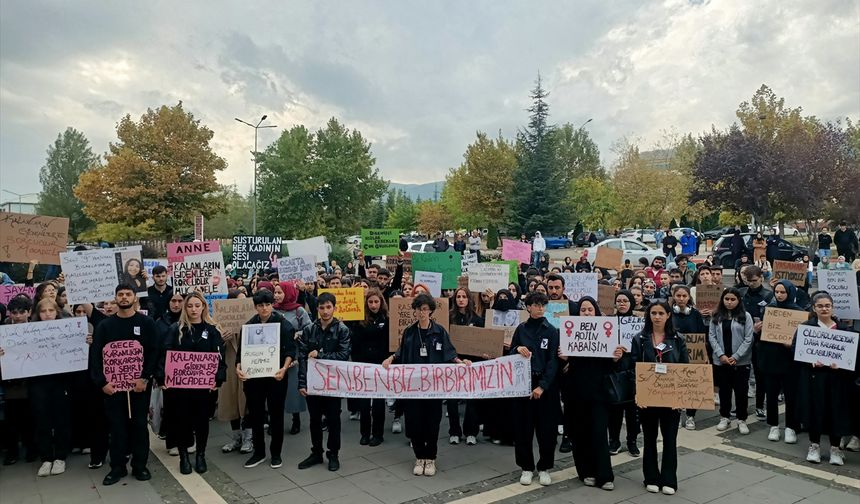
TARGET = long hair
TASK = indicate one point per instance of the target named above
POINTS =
(453, 311)
(184, 323)
(383, 306)
(669, 329)
(738, 314)
(45, 302)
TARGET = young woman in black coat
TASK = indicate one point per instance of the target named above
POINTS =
(370, 344)
(624, 303)
(686, 319)
(462, 313)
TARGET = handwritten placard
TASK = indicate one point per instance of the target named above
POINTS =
(401, 315)
(191, 370)
(577, 285)
(682, 386)
(708, 297)
(478, 341)
(380, 242)
(827, 346)
(629, 328)
(588, 336)
(256, 252)
(842, 285)
(697, 350)
(467, 260)
(261, 357)
(7, 292)
(447, 263)
(200, 272)
(790, 270)
(25, 237)
(123, 363)
(44, 348)
(350, 303)
(513, 272)
(297, 268)
(513, 250)
(431, 280)
(508, 376)
(779, 325)
(93, 275)
(609, 258)
(483, 276)
(232, 314)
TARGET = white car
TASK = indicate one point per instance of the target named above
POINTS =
(425, 246)
(633, 249)
(642, 235)
(679, 232)
(352, 240)
(787, 230)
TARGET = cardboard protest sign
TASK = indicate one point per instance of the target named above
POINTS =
(508, 376)
(779, 325)
(297, 268)
(123, 363)
(588, 336)
(401, 315)
(315, 247)
(7, 292)
(555, 310)
(261, 344)
(697, 350)
(606, 298)
(177, 251)
(25, 237)
(629, 328)
(827, 346)
(256, 252)
(577, 285)
(468, 259)
(513, 250)
(513, 273)
(708, 297)
(842, 285)
(191, 370)
(681, 386)
(149, 264)
(93, 275)
(200, 272)
(380, 242)
(350, 303)
(44, 348)
(232, 314)
(431, 280)
(447, 263)
(483, 276)
(478, 341)
(391, 263)
(790, 270)
(506, 320)
(609, 258)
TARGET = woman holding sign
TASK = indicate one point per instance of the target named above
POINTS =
(686, 319)
(189, 392)
(659, 342)
(731, 336)
(370, 344)
(462, 313)
(617, 412)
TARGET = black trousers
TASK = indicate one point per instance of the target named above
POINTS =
(189, 416)
(128, 435)
(617, 413)
(667, 421)
(774, 383)
(423, 417)
(536, 418)
(733, 379)
(330, 407)
(471, 421)
(80, 386)
(589, 423)
(372, 417)
(260, 394)
(52, 415)
(17, 427)
(760, 381)
(97, 428)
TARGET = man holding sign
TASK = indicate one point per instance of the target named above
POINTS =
(124, 356)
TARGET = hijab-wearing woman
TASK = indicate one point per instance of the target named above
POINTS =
(731, 336)
(370, 344)
(659, 342)
(617, 412)
(286, 303)
(687, 320)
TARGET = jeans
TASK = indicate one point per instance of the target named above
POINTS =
(536, 255)
(824, 253)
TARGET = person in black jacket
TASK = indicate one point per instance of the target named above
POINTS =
(268, 393)
(624, 303)
(327, 338)
(163, 325)
(659, 342)
(159, 293)
(462, 313)
(195, 332)
(686, 319)
(370, 344)
(536, 339)
(846, 242)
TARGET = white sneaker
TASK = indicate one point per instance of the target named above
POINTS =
(471, 440)
(526, 478)
(690, 424)
(652, 488)
(173, 452)
(418, 470)
(751, 392)
(836, 456)
(668, 490)
(247, 442)
(234, 444)
(560, 430)
(814, 454)
(354, 416)
(716, 399)
(853, 445)
(454, 439)
(773, 435)
(544, 478)
(396, 426)
(44, 469)
(790, 436)
(192, 448)
(59, 466)
(608, 486)
(429, 468)
(589, 481)
(724, 424)
(742, 427)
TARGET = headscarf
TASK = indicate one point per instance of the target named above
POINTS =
(790, 302)
(291, 296)
(593, 302)
(265, 284)
(629, 296)
(504, 304)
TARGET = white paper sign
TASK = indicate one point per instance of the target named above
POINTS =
(577, 285)
(44, 348)
(203, 272)
(93, 275)
(261, 354)
(315, 247)
(431, 280)
(588, 336)
(628, 328)
(827, 346)
(842, 285)
(467, 260)
(297, 268)
(483, 276)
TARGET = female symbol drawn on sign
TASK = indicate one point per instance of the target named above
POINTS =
(568, 327)
(607, 326)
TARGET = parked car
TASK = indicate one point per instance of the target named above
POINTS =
(557, 242)
(787, 230)
(642, 235)
(787, 251)
(633, 249)
(424, 246)
(582, 239)
(353, 240)
(715, 234)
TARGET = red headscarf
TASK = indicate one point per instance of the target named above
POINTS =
(291, 295)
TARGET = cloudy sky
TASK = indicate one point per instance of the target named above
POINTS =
(417, 78)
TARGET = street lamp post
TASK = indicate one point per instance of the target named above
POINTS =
(20, 196)
(583, 124)
(256, 128)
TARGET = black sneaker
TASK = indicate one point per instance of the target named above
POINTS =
(364, 441)
(141, 474)
(276, 462)
(312, 460)
(614, 447)
(633, 449)
(333, 463)
(759, 413)
(114, 476)
(566, 446)
(375, 441)
(255, 460)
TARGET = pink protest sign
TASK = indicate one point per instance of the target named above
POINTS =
(176, 252)
(516, 251)
(7, 292)
(191, 370)
(123, 363)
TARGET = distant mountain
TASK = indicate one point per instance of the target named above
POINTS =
(424, 191)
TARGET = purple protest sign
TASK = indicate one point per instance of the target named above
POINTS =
(123, 363)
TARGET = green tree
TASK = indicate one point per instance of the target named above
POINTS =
(236, 217)
(433, 217)
(577, 154)
(403, 214)
(317, 183)
(594, 202)
(68, 158)
(162, 168)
